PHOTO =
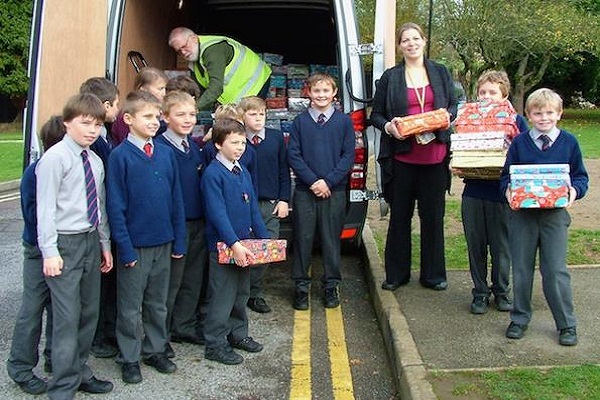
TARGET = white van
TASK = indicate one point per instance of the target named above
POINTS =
(74, 40)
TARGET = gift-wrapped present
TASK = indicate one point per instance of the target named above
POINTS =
(297, 71)
(276, 102)
(264, 250)
(487, 116)
(424, 122)
(278, 81)
(539, 185)
(478, 141)
(273, 59)
(298, 103)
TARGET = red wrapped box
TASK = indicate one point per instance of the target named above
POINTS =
(265, 251)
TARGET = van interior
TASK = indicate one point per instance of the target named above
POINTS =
(303, 32)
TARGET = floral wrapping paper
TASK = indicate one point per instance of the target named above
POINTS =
(265, 251)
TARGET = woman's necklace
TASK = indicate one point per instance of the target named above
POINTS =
(420, 96)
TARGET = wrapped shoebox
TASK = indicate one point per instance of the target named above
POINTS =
(295, 83)
(294, 93)
(297, 71)
(278, 81)
(273, 124)
(298, 104)
(276, 92)
(272, 58)
(478, 141)
(276, 102)
(279, 70)
(264, 250)
(314, 68)
(539, 185)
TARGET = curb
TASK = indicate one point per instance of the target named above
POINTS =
(10, 185)
(410, 371)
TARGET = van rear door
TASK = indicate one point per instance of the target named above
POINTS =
(68, 46)
(384, 57)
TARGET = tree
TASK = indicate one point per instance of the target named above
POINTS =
(15, 26)
(520, 37)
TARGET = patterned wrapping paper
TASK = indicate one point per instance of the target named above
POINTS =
(265, 251)
(486, 116)
(424, 122)
(539, 185)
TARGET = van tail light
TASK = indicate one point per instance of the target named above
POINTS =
(359, 120)
(357, 173)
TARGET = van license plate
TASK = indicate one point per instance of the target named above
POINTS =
(357, 196)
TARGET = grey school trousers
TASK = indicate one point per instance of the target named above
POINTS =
(24, 354)
(142, 304)
(547, 231)
(75, 300)
(257, 272)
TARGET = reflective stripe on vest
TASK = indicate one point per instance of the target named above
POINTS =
(244, 76)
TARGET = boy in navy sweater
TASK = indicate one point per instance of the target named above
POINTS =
(36, 294)
(543, 229)
(232, 214)
(187, 273)
(273, 173)
(147, 217)
(321, 153)
(485, 213)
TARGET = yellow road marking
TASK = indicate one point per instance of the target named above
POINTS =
(341, 377)
(300, 385)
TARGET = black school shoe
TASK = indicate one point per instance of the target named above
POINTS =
(95, 386)
(224, 355)
(300, 300)
(331, 298)
(130, 373)
(516, 331)
(568, 336)
(169, 352)
(161, 363)
(247, 344)
(34, 386)
(259, 305)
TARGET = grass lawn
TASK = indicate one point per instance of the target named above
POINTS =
(11, 156)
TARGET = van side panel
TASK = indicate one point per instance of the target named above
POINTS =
(73, 46)
(146, 27)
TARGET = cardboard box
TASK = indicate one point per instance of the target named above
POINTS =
(264, 250)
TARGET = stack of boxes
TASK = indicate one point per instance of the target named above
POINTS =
(482, 133)
(539, 185)
(288, 94)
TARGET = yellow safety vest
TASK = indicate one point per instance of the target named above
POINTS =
(244, 76)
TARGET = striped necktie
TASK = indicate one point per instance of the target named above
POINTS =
(321, 119)
(148, 149)
(90, 189)
(186, 146)
(255, 140)
(545, 142)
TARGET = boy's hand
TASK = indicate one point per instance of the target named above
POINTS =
(207, 136)
(53, 266)
(107, 262)
(320, 189)
(282, 209)
(131, 264)
(241, 255)
(177, 256)
(572, 196)
(507, 195)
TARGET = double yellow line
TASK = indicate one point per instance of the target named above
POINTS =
(341, 377)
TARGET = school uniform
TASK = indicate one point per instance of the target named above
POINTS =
(485, 214)
(147, 219)
(274, 185)
(231, 214)
(248, 160)
(319, 151)
(36, 294)
(546, 229)
(65, 230)
(187, 273)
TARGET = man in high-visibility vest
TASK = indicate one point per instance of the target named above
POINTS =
(225, 68)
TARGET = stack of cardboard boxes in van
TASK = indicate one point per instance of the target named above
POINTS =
(288, 95)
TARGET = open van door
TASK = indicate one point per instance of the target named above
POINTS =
(385, 39)
(68, 45)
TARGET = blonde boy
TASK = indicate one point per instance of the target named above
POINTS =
(187, 273)
(545, 230)
(147, 217)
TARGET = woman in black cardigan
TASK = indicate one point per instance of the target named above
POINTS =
(414, 168)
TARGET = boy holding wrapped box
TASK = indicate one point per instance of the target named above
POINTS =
(232, 214)
(485, 216)
(546, 229)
